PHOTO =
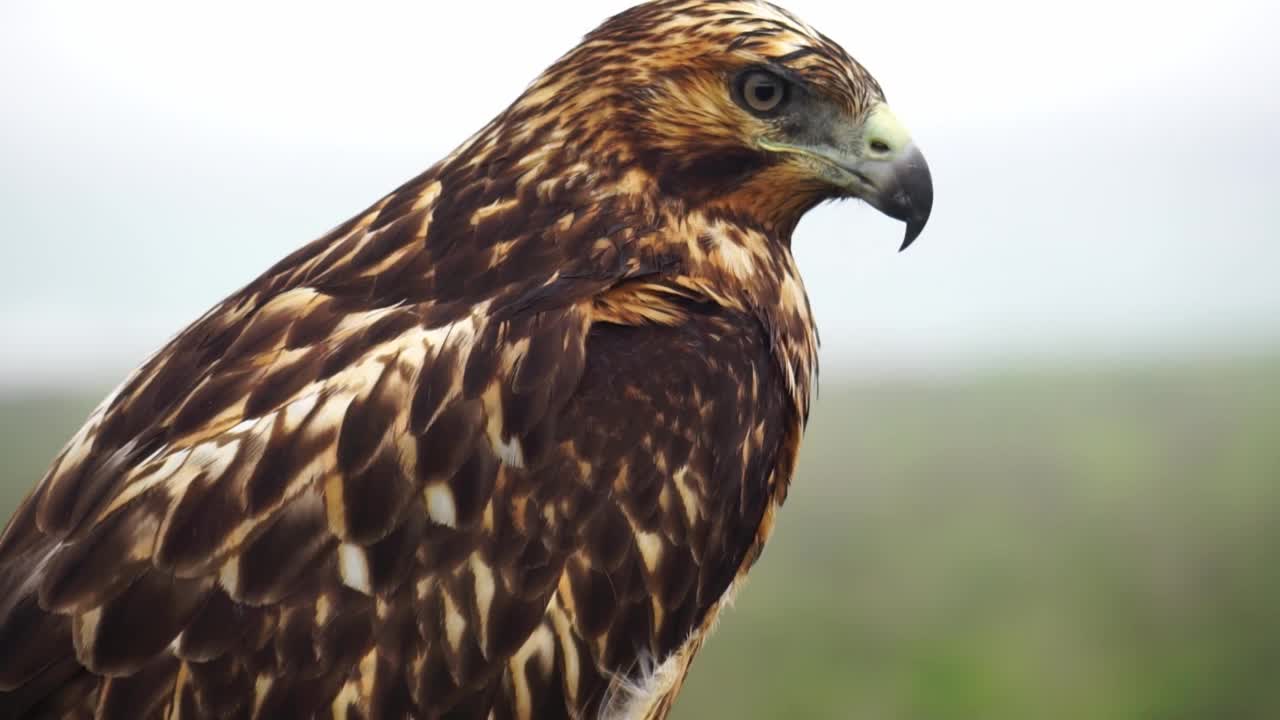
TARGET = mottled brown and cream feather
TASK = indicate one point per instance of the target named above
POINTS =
(497, 447)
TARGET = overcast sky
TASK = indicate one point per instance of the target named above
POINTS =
(1105, 172)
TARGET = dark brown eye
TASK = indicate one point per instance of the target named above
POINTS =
(762, 92)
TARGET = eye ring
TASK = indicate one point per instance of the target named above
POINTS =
(761, 92)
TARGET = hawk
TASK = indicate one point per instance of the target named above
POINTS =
(501, 445)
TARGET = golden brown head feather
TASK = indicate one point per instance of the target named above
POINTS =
(499, 445)
(649, 97)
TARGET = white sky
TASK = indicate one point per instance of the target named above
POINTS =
(1104, 170)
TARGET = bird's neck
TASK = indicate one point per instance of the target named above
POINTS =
(738, 264)
(622, 216)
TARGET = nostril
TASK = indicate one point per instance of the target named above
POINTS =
(879, 146)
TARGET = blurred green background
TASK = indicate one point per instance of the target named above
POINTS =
(1047, 544)
(1033, 545)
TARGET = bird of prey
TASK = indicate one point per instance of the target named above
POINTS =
(500, 446)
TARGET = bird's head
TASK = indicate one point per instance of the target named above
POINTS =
(736, 105)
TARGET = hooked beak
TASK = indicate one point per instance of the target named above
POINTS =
(880, 165)
(901, 188)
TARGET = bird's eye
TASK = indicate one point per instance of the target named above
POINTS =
(761, 92)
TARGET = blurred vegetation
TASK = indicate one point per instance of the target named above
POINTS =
(1054, 545)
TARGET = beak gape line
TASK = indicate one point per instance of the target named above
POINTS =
(880, 164)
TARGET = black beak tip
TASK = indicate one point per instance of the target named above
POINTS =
(913, 231)
(915, 226)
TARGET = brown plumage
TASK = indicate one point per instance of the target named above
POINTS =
(497, 447)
